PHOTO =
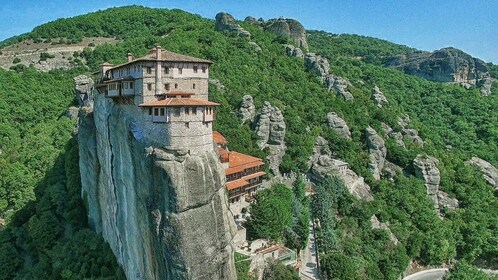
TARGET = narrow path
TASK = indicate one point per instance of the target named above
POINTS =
(309, 266)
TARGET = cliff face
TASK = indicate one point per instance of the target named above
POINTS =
(164, 213)
(444, 65)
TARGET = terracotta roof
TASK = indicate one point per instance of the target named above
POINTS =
(254, 175)
(236, 184)
(271, 249)
(219, 138)
(178, 102)
(239, 162)
(223, 155)
(166, 56)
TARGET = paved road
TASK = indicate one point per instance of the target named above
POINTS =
(309, 267)
(430, 274)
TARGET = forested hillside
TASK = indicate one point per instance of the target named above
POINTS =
(47, 236)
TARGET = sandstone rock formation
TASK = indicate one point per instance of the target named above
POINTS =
(164, 213)
(254, 21)
(389, 132)
(378, 97)
(289, 28)
(247, 110)
(339, 85)
(426, 168)
(338, 124)
(323, 165)
(270, 128)
(217, 84)
(486, 85)
(226, 22)
(293, 51)
(377, 151)
(448, 65)
(376, 224)
(318, 65)
(83, 86)
(410, 135)
(489, 172)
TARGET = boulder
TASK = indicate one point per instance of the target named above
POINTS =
(486, 85)
(426, 169)
(256, 47)
(289, 28)
(376, 224)
(323, 165)
(489, 172)
(226, 22)
(318, 65)
(389, 132)
(247, 110)
(293, 51)
(270, 128)
(378, 152)
(339, 85)
(338, 125)
(378, 97)
(410, 135)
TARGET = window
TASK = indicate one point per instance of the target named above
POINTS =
(166, 70)
(195, 69)
(176, 86)
(125, 85)
(194, 111)
(180, 71)
(177, 112)
(203, 69)
(193, 85)
(149, 86)
(150, 111)
(166, 87)
(187, 110)
(131, 84)
(187, 125)
(156, 111)
(161, 111)
(149, 70)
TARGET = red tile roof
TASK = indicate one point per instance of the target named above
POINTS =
(236, 184)
(179, 102)
(224, 156)
(219, 138)
(239, 162)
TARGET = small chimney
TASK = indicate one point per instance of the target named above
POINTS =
(130, 57)
(158, 52)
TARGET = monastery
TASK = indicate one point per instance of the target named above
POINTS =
(172, 91)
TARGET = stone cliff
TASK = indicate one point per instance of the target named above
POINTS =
(164, 213)
(447, 65)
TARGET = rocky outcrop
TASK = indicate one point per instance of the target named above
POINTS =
(447, 65)
(377, 151)
(293, 51)
(379, 98)
(317, 65)
(83, 86)
(270, 128)
(389, 132)
(226, 22)
(247, 110)
(254, 21)
(410, 135)
(426, 169)
(489, 172)
(376, 224)
(164, 213)
(339, 85)
(323, 165)
(338, 125)
(486, 85)
(215, 82)
(289, 28)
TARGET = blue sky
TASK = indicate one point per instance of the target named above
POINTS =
(470, 25)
